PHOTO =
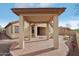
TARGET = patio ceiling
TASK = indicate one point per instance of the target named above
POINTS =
(38, 18)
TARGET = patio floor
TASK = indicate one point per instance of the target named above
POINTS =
(41, 47)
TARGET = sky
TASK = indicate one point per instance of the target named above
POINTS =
(69, 18)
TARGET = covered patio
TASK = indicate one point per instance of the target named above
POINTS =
(34, 16)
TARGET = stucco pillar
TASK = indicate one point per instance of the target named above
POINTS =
(30, 31)
(55, 32)
(21, 30)
(35, 31)
(47, 31)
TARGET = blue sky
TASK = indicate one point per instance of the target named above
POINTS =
(69, 18)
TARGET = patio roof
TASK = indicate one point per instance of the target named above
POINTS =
(19, 11)
(38, 15)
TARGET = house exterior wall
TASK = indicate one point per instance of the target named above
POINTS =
(15, 35)
(10, 30)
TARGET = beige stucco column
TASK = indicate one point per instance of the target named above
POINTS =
(55, 32)
(35, 31)
(21, 30)
(47, 30)
(30, 31)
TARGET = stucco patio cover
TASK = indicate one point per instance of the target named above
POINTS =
(39, 15)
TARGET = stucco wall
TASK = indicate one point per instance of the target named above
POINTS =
(26, 29)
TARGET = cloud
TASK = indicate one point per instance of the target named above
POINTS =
(23, 5)
(45, 5)
(32, 5)
(74, 24)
